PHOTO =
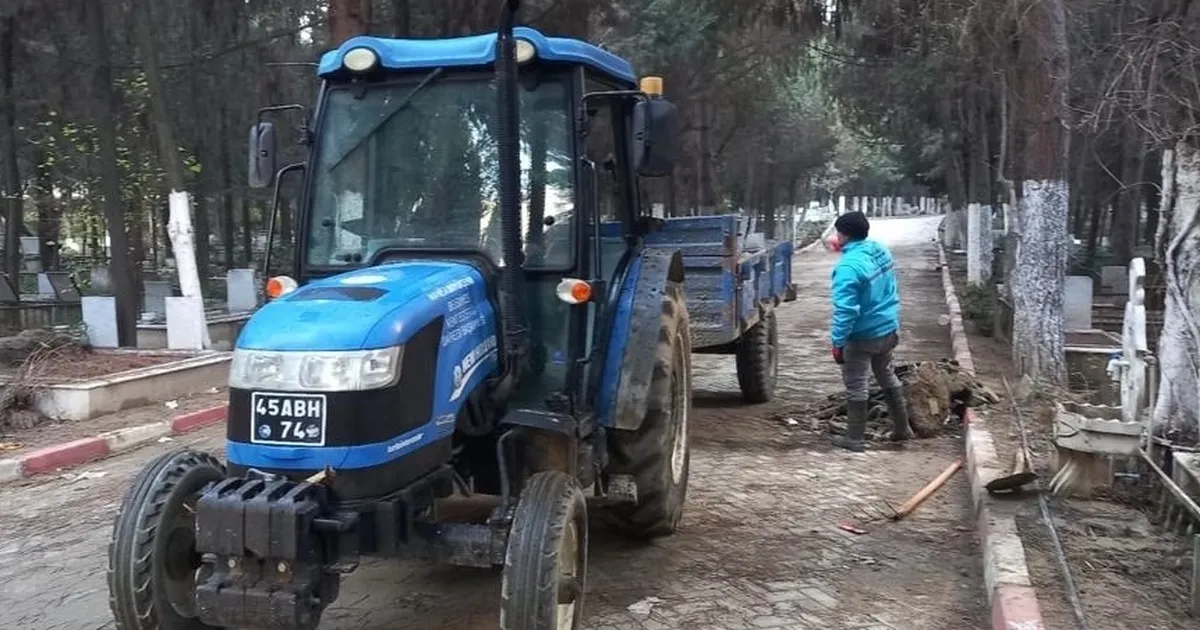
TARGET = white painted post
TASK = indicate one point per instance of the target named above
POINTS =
(841, 207)
(179, 228)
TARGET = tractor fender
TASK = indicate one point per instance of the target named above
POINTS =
(629, 359)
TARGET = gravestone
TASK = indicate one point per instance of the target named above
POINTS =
(64, 286)
(1134, 345)
(154, 296)
(1114, 279)
(8, 292)
(45, 289)
(100, 320)
(841, 207)
(186, 326)
(102, 283)
(1077, 303)
(241, 290)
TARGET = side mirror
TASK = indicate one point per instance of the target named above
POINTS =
(262, 155)
(655, 134)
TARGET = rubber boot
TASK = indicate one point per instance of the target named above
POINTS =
(898, 410)
(856, 425)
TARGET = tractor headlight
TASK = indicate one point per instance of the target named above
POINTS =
(360, 60)
(296, 371)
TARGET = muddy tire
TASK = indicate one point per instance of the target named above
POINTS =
(657, 454)
(758, 360)
(152, 557)
(545, 565)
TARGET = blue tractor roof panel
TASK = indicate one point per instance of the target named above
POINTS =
(476, 51)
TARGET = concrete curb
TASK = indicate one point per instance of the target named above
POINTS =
(82, 451)
(1011, 596)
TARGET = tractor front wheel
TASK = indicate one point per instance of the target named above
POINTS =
(545, 566)
(758, 360)
(152, 557)
(658, 454)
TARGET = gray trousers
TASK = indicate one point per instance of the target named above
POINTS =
(862, 357)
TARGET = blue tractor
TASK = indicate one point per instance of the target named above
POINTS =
(478, 306)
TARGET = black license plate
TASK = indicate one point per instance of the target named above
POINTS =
(287, 419)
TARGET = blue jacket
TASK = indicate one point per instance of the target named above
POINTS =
(866, 304)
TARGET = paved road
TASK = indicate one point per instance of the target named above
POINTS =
(758, 548)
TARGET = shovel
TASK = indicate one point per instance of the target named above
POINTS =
(1020, 473)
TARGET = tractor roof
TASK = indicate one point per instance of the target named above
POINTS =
(476, 50)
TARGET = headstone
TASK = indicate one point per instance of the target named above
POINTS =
(1114, 279)
(1133, 344)
(100, 320)
(186, 327)
(8, 292)
(241, 290)
(102, 283)
(155, 294)
(979, 243)
(64, 286)
(841, 207)
(1077, 303)
(45, 289)
(31, 253)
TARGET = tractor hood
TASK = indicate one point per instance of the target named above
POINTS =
(375, 307)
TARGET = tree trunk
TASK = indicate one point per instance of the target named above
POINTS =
(707, 192)
(1128, 206)
(1176, 412)
(179, 226)
(348, 18)
(49, 214)
(401, 19)
(1041, 257)
(124, 283)
(14, 206)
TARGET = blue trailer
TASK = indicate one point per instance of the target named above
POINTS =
(444, 333)
(735, 278)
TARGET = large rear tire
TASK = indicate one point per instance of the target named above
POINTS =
(658, 454)
(758, 360)
(152, 557)
(545, 565)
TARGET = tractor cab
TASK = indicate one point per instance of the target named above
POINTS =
(405, 164)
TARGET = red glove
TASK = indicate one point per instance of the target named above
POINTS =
(837, 356)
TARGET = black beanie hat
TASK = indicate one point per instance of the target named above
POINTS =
(854, 225)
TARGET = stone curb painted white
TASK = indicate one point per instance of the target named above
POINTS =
(132, 437)
(1005, 572)
(10, 470)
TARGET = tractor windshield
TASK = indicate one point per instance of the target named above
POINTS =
(399, 167)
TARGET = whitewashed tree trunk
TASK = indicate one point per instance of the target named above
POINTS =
(179, 229)
(1038, 280)
(1178, 246)
(956, 228)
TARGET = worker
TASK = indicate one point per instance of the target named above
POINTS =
(865, 328)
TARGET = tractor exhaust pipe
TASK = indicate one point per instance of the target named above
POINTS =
(512, 278)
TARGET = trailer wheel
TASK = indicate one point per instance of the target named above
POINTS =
(758, 360)
(658, 453)
(152, 557)
(545, 565)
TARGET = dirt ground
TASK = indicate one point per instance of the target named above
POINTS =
(1129, 573)
(72, 364)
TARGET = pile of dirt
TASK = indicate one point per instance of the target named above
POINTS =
(24, 358)
(937, 393)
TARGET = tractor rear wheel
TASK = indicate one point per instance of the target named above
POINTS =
(545, 565)
(152, 557)
(657, 454)
(758, 360)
